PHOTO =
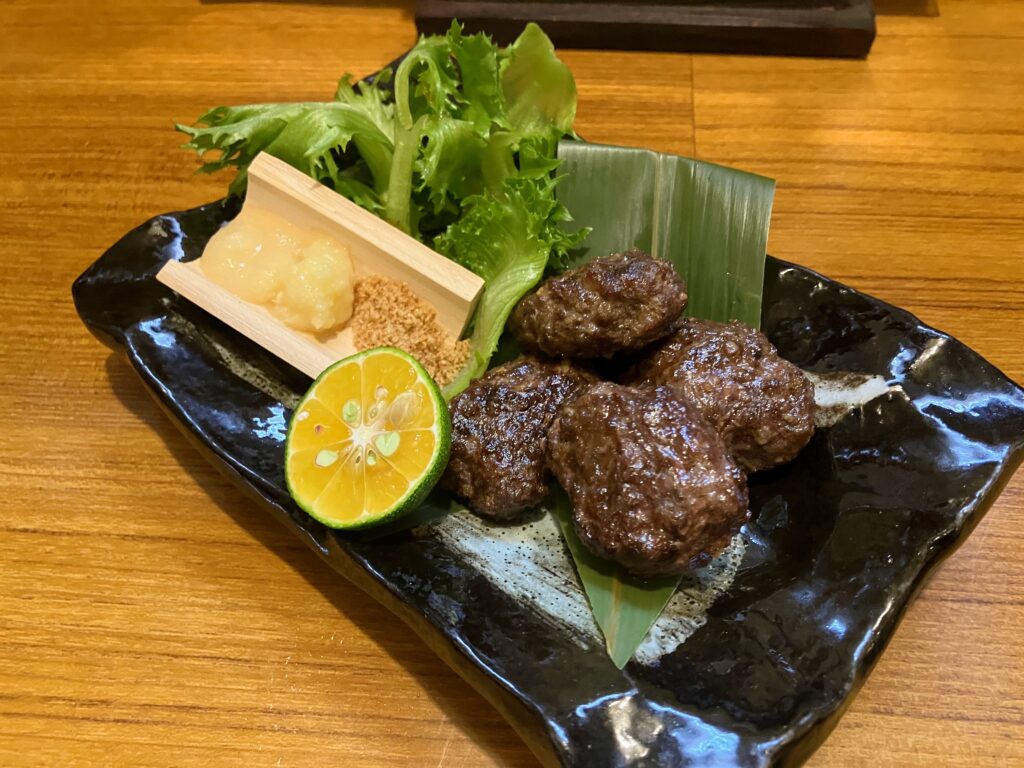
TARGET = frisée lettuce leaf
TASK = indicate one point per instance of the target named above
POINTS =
(507, 239)
(457, 147)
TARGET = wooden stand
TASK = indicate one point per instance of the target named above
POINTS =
(376, 248)
(826, 28)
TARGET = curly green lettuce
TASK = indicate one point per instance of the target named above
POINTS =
(508, 239)
(456, 146)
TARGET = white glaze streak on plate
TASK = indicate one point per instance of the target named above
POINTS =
(530, 564)
(687, 611)
(237, 364)
(254, 376)
(836, 394)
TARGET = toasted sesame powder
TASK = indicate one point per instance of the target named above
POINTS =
(386, 313)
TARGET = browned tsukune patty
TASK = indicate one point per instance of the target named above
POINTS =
(499, 433)
(761, 405)
(616, 303)
(651, 483)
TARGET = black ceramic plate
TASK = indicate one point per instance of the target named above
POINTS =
(757, 657)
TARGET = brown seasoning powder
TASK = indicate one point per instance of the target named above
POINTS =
(386, 313)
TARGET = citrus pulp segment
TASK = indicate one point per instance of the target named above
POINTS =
(368, 440)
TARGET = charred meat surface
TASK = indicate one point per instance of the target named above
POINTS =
(652, 485)
(620, 302)
(761, 405)
(499, 432)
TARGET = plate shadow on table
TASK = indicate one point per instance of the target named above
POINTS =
(467, 710)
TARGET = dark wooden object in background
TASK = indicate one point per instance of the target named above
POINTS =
(832, 28)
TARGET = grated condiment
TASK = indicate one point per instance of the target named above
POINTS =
(386, 313)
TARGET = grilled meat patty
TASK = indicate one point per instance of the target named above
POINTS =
(616, 303)
(499, 432)
(761, 405)
(651, 483)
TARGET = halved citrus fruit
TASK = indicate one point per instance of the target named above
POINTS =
(368, 440)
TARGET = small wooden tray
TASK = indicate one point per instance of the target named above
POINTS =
(827, 28)
(376, 248)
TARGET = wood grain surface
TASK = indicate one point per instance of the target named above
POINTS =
(151, 615)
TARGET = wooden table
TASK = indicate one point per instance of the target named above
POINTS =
(150, 615)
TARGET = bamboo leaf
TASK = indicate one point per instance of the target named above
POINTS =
(624, 607)
(712, 223)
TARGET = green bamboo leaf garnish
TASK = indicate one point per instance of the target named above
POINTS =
(712, 223)
(623, 606)
(708, 220)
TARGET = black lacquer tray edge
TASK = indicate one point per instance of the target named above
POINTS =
(528, 724)
(538, 733)
(813, 734)
(530, 727)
